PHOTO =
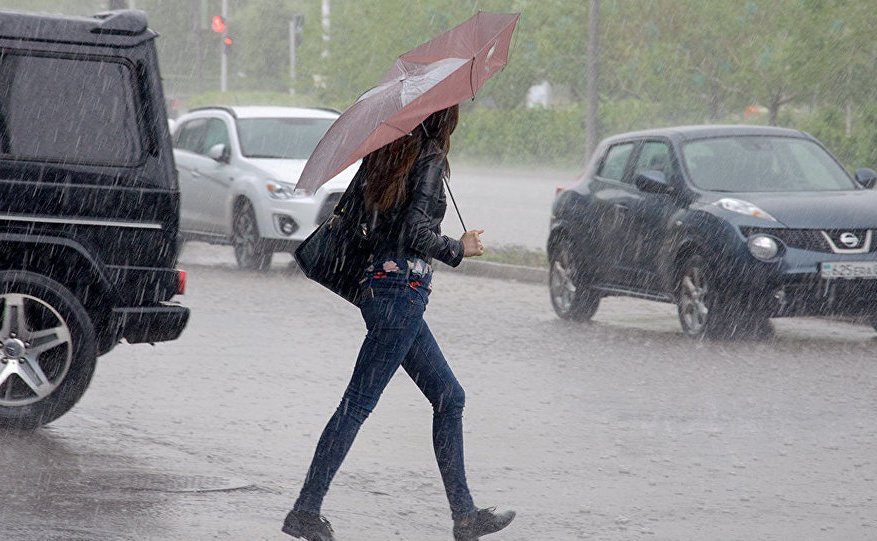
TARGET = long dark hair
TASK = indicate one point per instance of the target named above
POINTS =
(386, 169)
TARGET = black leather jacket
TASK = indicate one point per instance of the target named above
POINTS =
(414, 228)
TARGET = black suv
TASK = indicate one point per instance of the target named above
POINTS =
(88, 205)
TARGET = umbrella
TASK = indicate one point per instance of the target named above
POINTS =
(442, 72)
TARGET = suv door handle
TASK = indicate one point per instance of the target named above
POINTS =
(196, 173)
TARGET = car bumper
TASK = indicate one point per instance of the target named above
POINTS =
(306, 214)
(150, 324)
(792, 286)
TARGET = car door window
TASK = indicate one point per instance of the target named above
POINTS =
(654, 156)
(217, 134)
(70, 110)
(614, 164)
(190, 136)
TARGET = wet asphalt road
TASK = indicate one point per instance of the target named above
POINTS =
(619, 429)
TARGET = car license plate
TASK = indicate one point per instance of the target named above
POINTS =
(849, 271)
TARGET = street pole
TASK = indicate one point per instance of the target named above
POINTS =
(197, 28)
(593, 73)
(326, 12)
(293, 30)
(295, 26)
(223, 70)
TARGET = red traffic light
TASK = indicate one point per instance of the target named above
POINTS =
(217, 24)
(227, 41)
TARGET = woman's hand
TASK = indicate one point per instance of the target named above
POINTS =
(472, 243)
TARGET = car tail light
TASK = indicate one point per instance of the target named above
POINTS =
(558, 189)
(181, 282)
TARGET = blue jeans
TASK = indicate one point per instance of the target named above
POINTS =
(392, 307)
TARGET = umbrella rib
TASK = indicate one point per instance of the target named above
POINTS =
(397, 128)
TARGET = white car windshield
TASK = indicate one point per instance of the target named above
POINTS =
(281, 138)
(763, 164)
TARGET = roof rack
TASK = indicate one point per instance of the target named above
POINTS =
(126, 22)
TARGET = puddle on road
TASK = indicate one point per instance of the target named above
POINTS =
(88, 480)
(163, 482)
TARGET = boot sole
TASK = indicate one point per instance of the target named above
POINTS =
(295, 532)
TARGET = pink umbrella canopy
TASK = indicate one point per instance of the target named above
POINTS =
(442, 72)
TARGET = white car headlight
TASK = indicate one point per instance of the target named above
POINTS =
(284, 190)
(743, 207)
(763, 247)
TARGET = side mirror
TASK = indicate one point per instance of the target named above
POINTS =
(220, 153)
(651, 181)
(866, 177)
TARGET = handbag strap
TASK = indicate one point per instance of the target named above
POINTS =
(349, 197)
(454, 201)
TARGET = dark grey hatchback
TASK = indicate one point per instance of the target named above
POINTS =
(735, 224)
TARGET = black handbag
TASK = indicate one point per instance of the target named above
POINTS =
(336, 254)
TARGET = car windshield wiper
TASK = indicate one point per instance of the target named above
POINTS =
(268, 156)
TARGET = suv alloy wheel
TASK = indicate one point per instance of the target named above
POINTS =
(569, 298)
(694, 298)
(249, 250)
(47, 350)
(705, 313)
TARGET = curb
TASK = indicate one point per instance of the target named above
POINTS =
(203, 255)
(503, 271)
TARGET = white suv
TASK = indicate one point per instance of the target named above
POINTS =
(238, 167)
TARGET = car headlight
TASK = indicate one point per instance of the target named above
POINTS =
(743, 207)
(763, 247)
(284, 190)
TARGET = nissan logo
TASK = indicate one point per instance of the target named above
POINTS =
(850, 240)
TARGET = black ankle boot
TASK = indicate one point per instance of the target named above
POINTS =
(308, 526)
(482, 522)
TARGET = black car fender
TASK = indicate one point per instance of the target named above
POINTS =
(570, 213)
(699, 233)
(64, 260)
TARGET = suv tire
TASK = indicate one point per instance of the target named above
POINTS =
(249, 249)
(697, 303)
(47, 354)
(569, 298)
(705, 313)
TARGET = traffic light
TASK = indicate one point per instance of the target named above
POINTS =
(217, 24)
(227, 41)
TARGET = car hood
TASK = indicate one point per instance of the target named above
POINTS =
(817, 210)
(290, 171)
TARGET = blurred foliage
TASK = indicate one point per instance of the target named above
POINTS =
(858, 149)
(801, 63)
(555, 136)
(550, 136)
(69, 7)
(245, 97)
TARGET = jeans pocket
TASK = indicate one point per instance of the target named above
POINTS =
(418, 296)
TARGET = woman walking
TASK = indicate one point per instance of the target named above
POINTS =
(403, 193)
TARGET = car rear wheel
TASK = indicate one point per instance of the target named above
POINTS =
(569, 297)
(249, 249)
(47, 354)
